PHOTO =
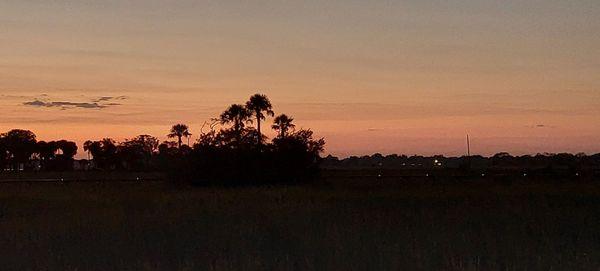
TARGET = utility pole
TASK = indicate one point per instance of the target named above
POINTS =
(467, 160)
(468, 146)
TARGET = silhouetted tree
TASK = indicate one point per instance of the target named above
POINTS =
(305, 138)
(66, 153)
(178, 131)
(167, 145)
(137, 153)
(104, 153)
(282, 124)
(238, 116)
(297, 155)
(86, 147)
(93, 147)
(68, 148)
(20, 145)
(46, 152)
(109, 152)
(257, 104)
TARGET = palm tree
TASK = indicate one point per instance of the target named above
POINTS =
(283, 124)
(258, 104)
(179, 131)
(238, 115)
(87, 146)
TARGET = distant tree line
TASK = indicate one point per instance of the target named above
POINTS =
(231, 151)
(555, 164)
(20, 148)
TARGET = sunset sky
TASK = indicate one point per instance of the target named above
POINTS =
(410, 77)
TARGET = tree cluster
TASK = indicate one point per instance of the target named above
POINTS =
(233, 150)
(239, 153)
(20, 150)
(136, 154)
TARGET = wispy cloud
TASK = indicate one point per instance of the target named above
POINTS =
(541, 126)
(65, 105)
(5, 96)
(109, 98)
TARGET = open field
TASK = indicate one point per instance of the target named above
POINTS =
(334, 224)
(80, 176)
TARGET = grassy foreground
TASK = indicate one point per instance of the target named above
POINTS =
(154, 226)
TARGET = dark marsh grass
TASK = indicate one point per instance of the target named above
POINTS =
(334, 226)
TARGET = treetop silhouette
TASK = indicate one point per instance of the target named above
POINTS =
(234, 153)
(257, 104)
(179, 131)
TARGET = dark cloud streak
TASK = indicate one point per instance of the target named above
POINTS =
(109, 98)
(540, 126)
(65, 105)
(94, 103)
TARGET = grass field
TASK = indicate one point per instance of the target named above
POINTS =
(333, 225)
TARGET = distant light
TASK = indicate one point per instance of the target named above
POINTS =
(137, 178)
(524, 174)
(379, 175)
(482, 174)
(577, 174)
(427, 175)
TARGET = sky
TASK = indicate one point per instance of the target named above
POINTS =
(407, 77)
